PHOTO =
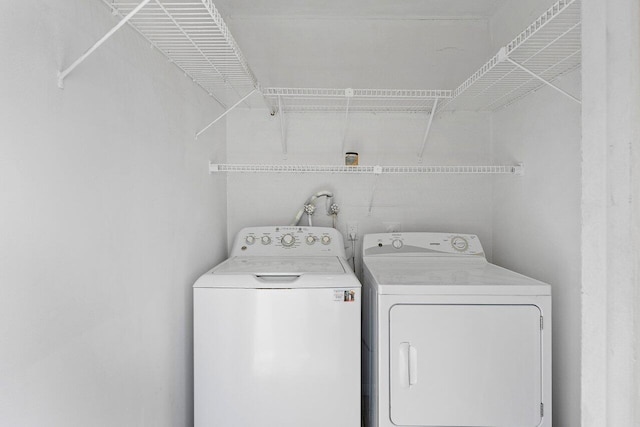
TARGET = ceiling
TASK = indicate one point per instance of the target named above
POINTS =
(375, 9)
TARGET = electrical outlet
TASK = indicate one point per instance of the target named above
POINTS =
(352, 229)
(393, 227)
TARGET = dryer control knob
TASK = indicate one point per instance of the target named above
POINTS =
(311, 240)
(397, 243)
(250, 240)
(266, 240)
(288, 240)
(325, 240)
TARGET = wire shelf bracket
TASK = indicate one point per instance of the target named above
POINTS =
(428, 130)
(192, 35)
(349, 101)
(548, 83)
(63, 74)
(348, 93)
(283, 134)
(546, 50)
(517, 169)
(227, 111)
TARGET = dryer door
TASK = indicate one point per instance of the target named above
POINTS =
(465, 365)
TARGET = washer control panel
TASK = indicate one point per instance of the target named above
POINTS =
(288, 241)
(422, 244)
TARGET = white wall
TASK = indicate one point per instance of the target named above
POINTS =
(354, 52)
(512, 17)
(611, 214)
(536, 220)
(419, 203)
(107, 216)
(362, 52)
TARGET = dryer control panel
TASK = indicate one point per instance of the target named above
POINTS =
(288, 241)
(422, 244)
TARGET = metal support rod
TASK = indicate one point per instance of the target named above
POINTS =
(283, 136)
(349, 94)
(225, 113)
(426, 133)
(65, 73)
(373, 193)
(548, 83)
(269, 105)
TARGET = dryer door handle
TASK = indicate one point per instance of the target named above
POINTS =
(407, 365)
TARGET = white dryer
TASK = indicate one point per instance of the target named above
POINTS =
(450, 339)
(277, 333)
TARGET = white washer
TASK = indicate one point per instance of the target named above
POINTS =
(277, 333)
(450, 339)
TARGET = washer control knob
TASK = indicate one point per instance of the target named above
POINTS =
(311, 240)
(288, 240)
(325, 240)
(397, 243)
(459, 243)
(250, 240)
(266, 240)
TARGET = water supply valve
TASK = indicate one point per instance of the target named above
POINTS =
(309, 209)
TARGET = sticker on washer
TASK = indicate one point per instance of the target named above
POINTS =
(344, 295)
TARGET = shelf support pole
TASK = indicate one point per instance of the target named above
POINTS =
(65, 73)
(270, 106)
(426, 133)
(377, 170)
(547, 82)
(283, 135)
(349, 94)
(226, 112)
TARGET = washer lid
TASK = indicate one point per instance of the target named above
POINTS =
(279, 273)
(441, 276)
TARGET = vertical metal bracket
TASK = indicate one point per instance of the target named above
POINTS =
(65, 73)
(377, 171)
(373, 190)
(348, 93)
(226, 112)
(283, 134)
(426, 133)
(269, 106)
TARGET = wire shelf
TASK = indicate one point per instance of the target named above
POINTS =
(192, 34)
(549, 47)
(358, 170)
(353, 100)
